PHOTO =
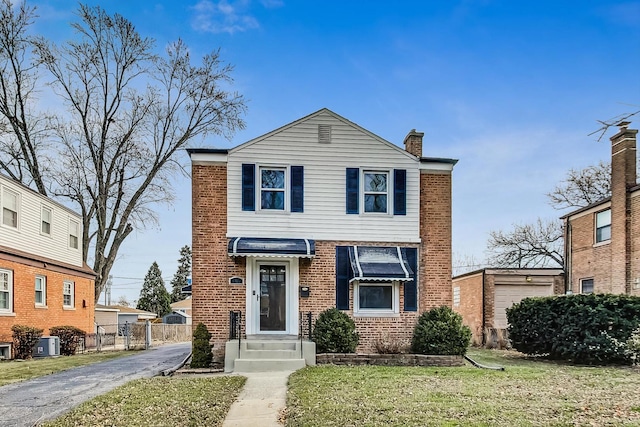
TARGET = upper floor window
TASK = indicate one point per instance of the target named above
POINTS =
(45, 224)
(10, 208)
(41, 290)
(586, 286)
(603, 226)
(67, 294)
(6, 291)
(74, 233)
(372, 191)
(376, 192)
(272, 188)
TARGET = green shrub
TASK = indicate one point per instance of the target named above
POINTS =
(633, 346)
(591, 329)
(440, 331)
(201, 356)
(69, 338)
(25, 339)
(335, 332)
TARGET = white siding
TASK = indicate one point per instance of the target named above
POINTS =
(28, 238)
(324, 216)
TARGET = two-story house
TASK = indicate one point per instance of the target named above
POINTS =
(319, 213)
(602, 241)
(43, 279)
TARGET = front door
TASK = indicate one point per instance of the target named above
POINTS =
(273, 298)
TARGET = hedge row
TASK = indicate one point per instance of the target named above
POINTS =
(591, 329)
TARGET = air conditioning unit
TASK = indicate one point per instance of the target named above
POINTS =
(47, 346)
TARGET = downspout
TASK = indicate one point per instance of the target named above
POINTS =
(568, 284)
(484, 338)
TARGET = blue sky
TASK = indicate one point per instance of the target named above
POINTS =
(511, 88)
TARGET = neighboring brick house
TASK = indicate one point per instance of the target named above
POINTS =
(602, 241)
(482, 296)
(43, 279)
(320, 213)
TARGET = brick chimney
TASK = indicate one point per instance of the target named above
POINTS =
(623, 177)
(413, 142)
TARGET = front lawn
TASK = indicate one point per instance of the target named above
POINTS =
(159, 401)
(527, 393)
(12, 371)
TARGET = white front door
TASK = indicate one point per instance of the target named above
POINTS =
(273, 297)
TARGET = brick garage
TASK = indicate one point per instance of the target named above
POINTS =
(482, 296)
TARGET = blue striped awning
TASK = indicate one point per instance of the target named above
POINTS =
(379, 263)
(271, 247)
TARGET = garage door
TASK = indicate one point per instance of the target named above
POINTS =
(507, 295)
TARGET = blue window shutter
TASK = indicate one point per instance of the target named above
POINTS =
(353, 188)
(297, 189)
(411, 287)
(343, 274)
(399, 192)
(248, 187)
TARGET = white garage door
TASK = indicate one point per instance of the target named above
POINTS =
(507, 295)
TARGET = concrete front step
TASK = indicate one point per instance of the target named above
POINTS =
(268, 365)
(258, 355)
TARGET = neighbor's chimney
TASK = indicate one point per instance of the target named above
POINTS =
(623, 177)
(413, 143)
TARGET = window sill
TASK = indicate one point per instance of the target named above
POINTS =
(41, 306)
(375, 314)
(603, 243)
(7, 314)
(69, 308)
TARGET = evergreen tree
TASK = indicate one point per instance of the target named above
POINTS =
(154, 296)
(180, 278)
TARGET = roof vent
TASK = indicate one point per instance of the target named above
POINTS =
(324, 134)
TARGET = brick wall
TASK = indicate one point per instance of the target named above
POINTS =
(634, 232)
(589, 260)
(435, 233)
(471, 303)
(212, 295)
(320, 275)
(25, 312)
(623, 176)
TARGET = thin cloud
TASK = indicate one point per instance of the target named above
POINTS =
(226, 16)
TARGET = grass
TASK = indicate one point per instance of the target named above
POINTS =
(13, 371)
(528, 393)
(159, 401)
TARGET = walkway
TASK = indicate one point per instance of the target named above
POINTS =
(30, 402)
(261, 401)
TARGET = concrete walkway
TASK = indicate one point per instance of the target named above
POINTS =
(261, 401)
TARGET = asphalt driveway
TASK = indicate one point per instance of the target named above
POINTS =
(29, 402)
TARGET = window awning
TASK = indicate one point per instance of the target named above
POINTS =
(271, 247)
(379, 263)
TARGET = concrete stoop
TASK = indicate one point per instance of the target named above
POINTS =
(268, 355)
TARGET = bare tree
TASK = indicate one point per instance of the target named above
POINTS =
(123, 301)
(526, 246)
(23, 131)
(128, 113)
(582, 187)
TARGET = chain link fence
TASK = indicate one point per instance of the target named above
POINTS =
(133, 336)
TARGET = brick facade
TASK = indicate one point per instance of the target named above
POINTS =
(26, 312)
(214, 297)
(612, 264)
(471, 304)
